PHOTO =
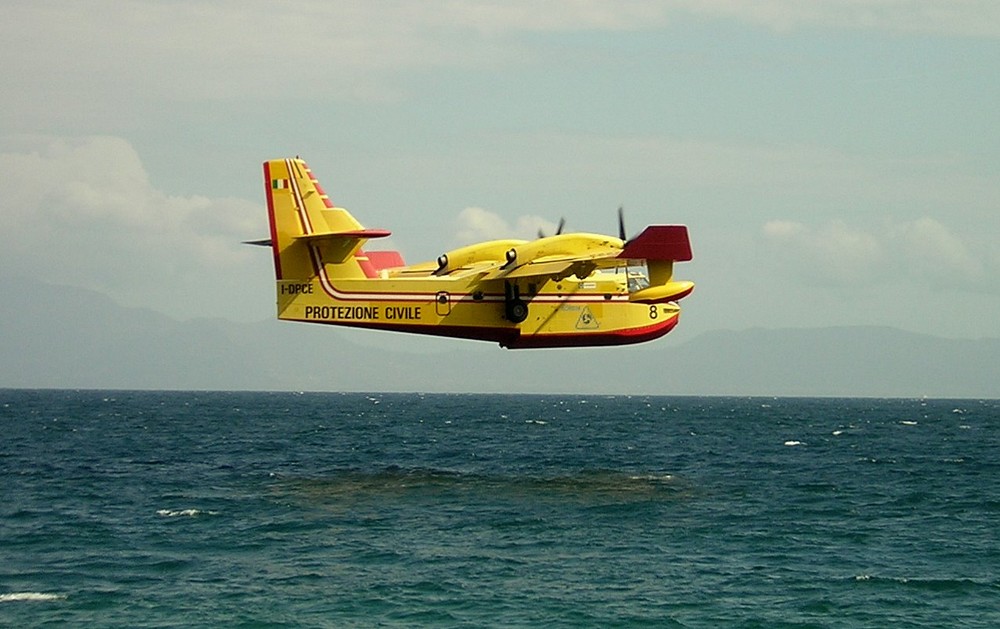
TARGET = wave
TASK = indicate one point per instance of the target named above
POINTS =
(11, 597)
(931, 584)
(185, 513)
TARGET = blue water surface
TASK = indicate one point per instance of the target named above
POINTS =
(154, 509)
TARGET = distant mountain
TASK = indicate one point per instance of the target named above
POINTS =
(58, 337)
(841, 361)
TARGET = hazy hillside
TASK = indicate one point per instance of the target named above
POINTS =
(856, 361)
(71, 338)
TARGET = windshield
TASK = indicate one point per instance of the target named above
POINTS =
(634, 274)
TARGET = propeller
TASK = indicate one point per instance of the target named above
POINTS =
(559, 228)
(621, 224)
(260, 243)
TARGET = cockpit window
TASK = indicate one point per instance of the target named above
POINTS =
(635, 275)
(637, 279)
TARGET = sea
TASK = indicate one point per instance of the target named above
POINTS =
(240, 509)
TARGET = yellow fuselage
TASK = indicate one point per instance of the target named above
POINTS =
(570, 311)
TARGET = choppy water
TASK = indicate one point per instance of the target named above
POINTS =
(149, 509)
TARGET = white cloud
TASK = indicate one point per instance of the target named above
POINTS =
(83, 212)
(969, 18)
(187, 51)
(928, 243)
(476, 224)
(565, 15)
(833, 251)
(784, 230)
(919, 251)
(810, 178)
(90, 53)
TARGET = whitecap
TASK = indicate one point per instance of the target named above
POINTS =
(794, 443)
(652, 477)
(908, 423)
(30, 596)
(837, 433)
(190, 513)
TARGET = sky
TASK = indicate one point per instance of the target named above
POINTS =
(837, 162)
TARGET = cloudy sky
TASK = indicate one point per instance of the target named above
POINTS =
(837, 161)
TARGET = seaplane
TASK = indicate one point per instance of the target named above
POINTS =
(563, 290)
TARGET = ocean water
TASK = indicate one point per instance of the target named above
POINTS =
(155, 509)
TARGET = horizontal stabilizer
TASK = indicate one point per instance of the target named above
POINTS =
(660, 242)
(381, 260)
(354, 234)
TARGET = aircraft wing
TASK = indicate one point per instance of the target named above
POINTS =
(656, 242)
(551, 266)
(534, 269)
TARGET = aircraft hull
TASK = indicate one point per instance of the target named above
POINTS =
(559, 314)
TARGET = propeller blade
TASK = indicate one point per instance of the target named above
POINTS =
(260, 243)
(621, 222)
(559, 228)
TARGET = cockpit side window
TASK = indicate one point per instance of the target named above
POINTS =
(638, 277)
(635, 274)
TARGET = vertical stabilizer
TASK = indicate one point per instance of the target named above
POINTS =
(309, 235)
